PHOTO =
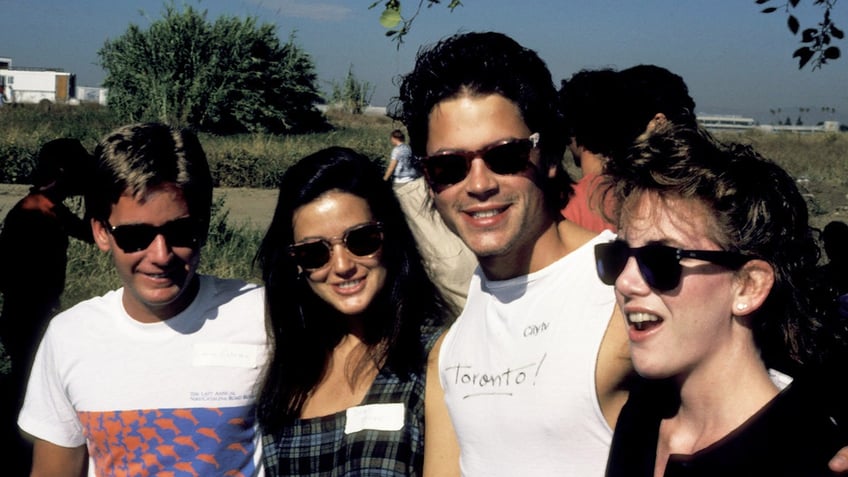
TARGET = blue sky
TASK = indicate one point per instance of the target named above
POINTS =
(735, 59)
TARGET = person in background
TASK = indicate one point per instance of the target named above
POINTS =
(33, 249)
(157, 377)
(448, 261)
(714, 274)
(834, 240)
(591, 104)
(352, 316)
(653, 96)
(401, 168)
(605, 112)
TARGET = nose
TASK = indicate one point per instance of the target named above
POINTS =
(631, 282)
(159, 251)
(481, 181)
(342, 261)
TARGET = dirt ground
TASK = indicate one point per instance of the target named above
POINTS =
(255, 207)
(250, 207)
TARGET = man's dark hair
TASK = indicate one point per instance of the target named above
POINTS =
(591, 102)
(480, 64)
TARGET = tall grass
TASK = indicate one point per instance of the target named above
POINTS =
(246, 160)
(819, 157)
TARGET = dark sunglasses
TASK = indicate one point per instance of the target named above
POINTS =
(136, 237)
(510, 156)
(361, 240)
(658, 264)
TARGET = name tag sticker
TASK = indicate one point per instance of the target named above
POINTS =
(378, 417)
(230, 355)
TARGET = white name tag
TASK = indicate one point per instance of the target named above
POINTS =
(230, 355)
(378, 417)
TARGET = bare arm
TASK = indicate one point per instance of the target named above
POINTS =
(50, 460)
(441, 449)
(390, 169)
(614, 369)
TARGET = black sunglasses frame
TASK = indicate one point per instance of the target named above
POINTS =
(659, 264)
(131, 238)
(299, 252)
(436, 164)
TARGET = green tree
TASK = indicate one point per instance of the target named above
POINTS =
(226, 77)
(352, 95)
(816, 42)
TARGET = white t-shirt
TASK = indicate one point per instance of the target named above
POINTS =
(148, 399)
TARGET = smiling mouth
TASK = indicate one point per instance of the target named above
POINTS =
(349, 284)
(643, 321)
(485, 214)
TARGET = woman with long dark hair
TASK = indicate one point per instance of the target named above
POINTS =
(352, 316)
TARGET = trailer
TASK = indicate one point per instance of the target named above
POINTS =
(36, 85)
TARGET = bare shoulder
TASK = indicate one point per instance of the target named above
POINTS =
(574, 236)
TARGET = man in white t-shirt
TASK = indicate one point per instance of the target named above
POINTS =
(158, 376)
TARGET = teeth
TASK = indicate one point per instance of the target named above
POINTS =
(641, 317)
(486, 214)
(349, 284)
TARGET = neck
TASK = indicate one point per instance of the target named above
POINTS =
(150, 314)
(591, 163)
(712, 402)
(547, 247)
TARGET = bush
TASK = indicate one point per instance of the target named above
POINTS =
(229, 76)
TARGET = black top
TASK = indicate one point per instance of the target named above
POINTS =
(793, 435)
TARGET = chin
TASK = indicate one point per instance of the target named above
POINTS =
(652, 370)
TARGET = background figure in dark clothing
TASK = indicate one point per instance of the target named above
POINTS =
(834, 238)
(33, 251)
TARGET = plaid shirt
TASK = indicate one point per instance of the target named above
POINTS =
(320, 447)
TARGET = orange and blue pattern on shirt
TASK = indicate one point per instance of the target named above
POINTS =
(171, 442)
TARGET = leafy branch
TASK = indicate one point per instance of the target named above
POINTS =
(396, 24)
(816, 41)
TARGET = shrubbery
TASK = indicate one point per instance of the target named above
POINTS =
(228, 76)
(241, 160)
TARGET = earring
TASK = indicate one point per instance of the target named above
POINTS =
(741, 306)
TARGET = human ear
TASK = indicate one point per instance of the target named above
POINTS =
(753, 285)
(101, 235)
(658, 120)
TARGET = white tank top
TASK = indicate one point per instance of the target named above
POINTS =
(518, 371)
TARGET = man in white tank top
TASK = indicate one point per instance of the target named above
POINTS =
(531, 371)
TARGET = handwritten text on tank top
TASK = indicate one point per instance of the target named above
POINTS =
(494, 383)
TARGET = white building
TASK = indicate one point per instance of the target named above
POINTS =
(36, 85)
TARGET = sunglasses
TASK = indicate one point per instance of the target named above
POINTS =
(658, 264)
(360, 240)
(510, 156)
(136, 237)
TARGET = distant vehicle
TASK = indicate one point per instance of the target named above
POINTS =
(36, 85)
